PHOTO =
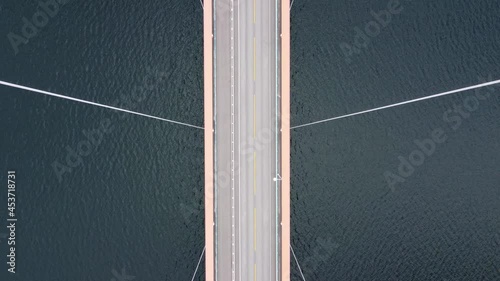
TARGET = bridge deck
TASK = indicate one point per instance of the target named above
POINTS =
(247, 143)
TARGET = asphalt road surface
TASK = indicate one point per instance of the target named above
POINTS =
(245, 96)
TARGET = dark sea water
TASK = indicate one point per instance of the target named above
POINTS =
(443, 221)
(135, 202)
(134, 207)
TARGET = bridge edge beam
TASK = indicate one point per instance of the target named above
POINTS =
(208, 139)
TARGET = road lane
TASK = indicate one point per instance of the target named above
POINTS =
(245, 139)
